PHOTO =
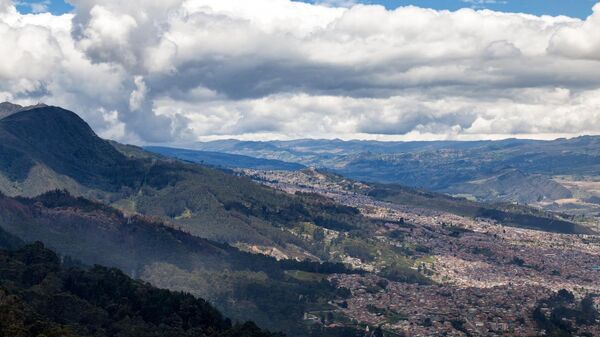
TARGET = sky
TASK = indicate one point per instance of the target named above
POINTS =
(572, 8)
(179, 71)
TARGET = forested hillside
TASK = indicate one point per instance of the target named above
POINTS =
(243, 285)
(40, 296)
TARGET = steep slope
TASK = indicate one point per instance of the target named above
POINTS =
(243, 285)
(49, 148)
(61, 141)
(40, 296)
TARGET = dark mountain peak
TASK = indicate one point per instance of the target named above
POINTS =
(47, 122)
(60, 140)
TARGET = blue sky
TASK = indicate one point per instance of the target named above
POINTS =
(54, 6)
(574, 8)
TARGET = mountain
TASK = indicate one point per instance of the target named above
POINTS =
(224, 160)
(7, 108)
(488, 207)
(549, 174)
(40, 296)
(505, 213)
(44, 148)
(193, 216)
(513, 185)
(49, 148)
(422, 201)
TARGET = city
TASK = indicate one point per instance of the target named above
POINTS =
(488, 278)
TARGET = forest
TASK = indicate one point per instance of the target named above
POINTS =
(42, 296)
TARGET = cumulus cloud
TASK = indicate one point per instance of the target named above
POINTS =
(138, 96)
(579, 40)
(179, 70)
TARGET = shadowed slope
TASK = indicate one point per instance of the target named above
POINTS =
(39, 296)
(63, 142)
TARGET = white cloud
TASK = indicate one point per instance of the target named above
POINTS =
(513, 111)
(138, 96)
(580, 39)
(106, 36)
(176, 70)
(337, 3)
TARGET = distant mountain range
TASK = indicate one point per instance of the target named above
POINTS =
(513, 170)
(225, 160)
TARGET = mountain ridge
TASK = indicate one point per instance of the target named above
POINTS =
(220, 159)
(70, 148)
(8, 108)
(452, 167)
(144, 248)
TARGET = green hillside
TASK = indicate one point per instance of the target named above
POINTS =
(40, 296)
(243, 285)
(50, 148)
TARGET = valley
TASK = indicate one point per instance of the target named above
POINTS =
(540, 173)
(358, 258)
(480, 268)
